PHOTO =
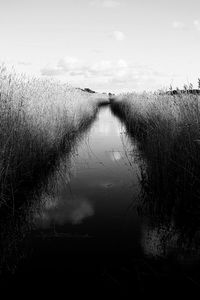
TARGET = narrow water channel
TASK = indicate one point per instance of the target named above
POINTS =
(85, 231)
(94, 189)
(83, 227)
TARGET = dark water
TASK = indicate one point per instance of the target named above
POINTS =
(87, 231)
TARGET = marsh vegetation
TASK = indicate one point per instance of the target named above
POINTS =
(39, 121)
(102, 186)
(167, 132)
(166, 129)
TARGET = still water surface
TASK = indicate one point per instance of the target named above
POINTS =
(86, 231)
(96, 188)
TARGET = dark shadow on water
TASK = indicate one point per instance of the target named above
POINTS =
(24, 196)
(171, 212)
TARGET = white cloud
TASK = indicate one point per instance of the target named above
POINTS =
(76, 67)
(181, 25)
(65, 65)
(60, 210)
(101, 66)
(118, 35)
(103, 73)
(122, 63)
(178, 25)
(196, 24)
(69, 63)
(115, 155)
(105, 3)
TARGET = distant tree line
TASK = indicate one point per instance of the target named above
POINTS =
(187, 89)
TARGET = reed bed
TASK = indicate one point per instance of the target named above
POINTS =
(38, 121)
(167, 130)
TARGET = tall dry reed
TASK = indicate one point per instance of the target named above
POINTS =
(38, 120)
(167, 130)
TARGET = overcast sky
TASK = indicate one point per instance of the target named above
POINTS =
(107, 45)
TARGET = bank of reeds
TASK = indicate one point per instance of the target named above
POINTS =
(38, 121)
(167, 130)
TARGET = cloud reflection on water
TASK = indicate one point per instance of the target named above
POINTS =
(60, 210)
(116, 155)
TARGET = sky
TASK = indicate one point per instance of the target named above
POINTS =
(106, 45)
